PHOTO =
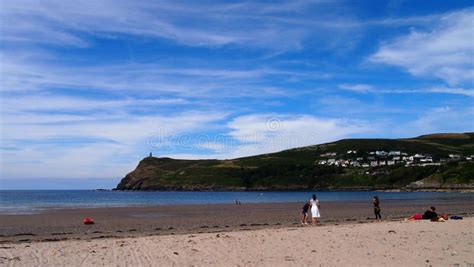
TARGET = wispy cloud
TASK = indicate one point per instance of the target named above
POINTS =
(264, 133)
(367, 88)
(438, 120)
(449, 90)
(444, 51)
(81, 146)
(359, 88)
(23, 75)
(58, 103)
(190, 23)
(120, 128)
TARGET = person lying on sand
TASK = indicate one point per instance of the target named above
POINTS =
(430, 214)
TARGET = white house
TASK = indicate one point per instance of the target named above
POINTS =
(329, 154)
(355, 163)
(426, 160)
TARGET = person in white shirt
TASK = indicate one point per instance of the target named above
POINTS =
(314, 202)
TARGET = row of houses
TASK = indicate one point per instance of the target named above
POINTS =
(386, 158)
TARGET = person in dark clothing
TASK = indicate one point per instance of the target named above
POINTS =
(430, 214)
(376, 202)
(304, 213)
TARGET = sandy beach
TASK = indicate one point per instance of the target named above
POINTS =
(246, 235)
(413, 243)
(66, 224)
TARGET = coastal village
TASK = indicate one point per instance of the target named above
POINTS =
(386, 158)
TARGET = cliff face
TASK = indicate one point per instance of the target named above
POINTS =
(298, 169)
(172, 174)
(146, 176)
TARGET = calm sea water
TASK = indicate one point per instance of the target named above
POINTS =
(32, 201)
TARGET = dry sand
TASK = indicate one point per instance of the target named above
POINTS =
(414, 243)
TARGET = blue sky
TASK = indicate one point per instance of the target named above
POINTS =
(88, 88)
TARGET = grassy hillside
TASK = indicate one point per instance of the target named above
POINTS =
(299, 168)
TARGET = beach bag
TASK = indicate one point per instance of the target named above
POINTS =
(455, 217)
(88, 221)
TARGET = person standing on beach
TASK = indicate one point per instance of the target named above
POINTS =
(376, 202)
(314, 202)
(304, 213)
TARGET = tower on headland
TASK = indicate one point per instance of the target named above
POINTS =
(151, 155)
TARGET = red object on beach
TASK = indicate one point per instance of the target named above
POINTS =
(418, 216)
(88, 221)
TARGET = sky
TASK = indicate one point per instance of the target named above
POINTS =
(89, 88)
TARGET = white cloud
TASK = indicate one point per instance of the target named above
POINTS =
(359, 88)
(266, 133)
(438, 120)
(77, 146)
(448, 90)
(274, 132)
(200, 23)
(60, 103)
(445, 51)
(20, 74)
(366, 88)
(93, 160)
(121, 128)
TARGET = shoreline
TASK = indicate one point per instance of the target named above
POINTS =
(454, 189)
(119, 222)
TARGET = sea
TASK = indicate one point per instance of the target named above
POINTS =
(36, 201)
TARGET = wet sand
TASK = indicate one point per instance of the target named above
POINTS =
(66, 224)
